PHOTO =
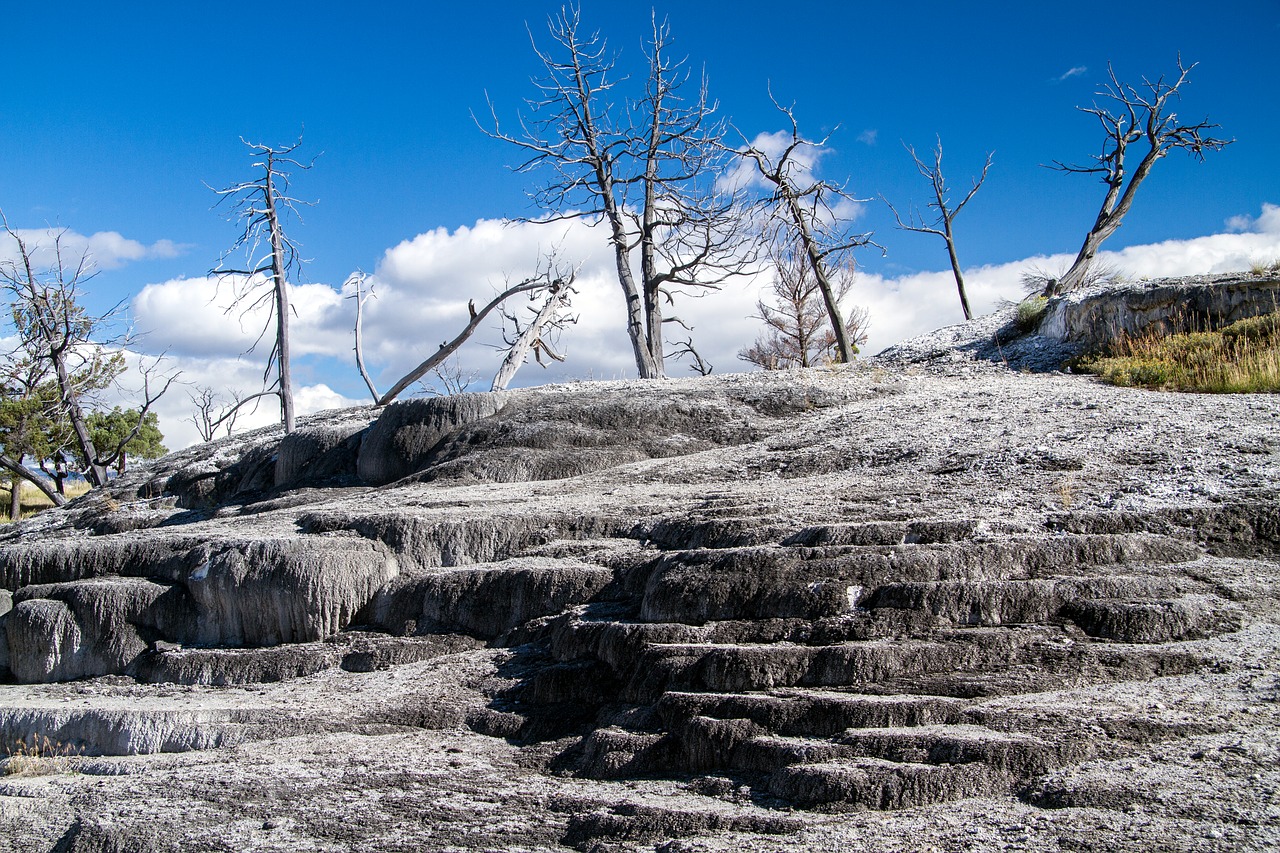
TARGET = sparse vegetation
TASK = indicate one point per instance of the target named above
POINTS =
(1243, 357)
(34, 501)
(1264, 267)
(1031, 312)
(43, 757)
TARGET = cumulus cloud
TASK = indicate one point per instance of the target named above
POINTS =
(206, 316)
(1266, 223)
(105, 249)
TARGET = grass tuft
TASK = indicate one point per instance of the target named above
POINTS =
(1241, 358)
(43, 757)
(1031, 312)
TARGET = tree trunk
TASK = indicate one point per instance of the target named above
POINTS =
(15, 498)
(843, 348)
(1074, 277)
(955, 269)
(533, 332)
(97, 472)
(282, 307)
(31, 477)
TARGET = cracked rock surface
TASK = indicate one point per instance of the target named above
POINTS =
(910, 605)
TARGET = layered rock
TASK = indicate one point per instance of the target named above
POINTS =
(862, 588)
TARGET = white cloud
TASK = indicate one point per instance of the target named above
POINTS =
(1074, 71)
(1268, 222)
(422, 287)
(744, 174)
(869, 136)
(106, 249)
(201, 317)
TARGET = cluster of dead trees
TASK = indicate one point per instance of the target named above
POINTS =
(685, 209)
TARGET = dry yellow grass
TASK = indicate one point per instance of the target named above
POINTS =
(33, 500)
(1241, 358)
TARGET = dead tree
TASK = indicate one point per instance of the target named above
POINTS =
(258, 206)
(74, 349)
(801, 211)
(942, 223)
(212, 415)
(797, 328)
(537, 334)
(645, 167)
(447, 348)
(357, 281)
(1138, 116)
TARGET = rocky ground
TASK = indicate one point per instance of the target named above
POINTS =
(923, 603)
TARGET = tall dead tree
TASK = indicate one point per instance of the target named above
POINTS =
(946, 214)
(258, 206)
(645, 167)
(1139, 116)
(801, 211)
(60, 342)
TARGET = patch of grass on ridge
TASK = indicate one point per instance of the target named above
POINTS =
(1241, 358)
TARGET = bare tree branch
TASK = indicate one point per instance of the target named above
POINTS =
(532, 337)
(357, 280)
(450, 347)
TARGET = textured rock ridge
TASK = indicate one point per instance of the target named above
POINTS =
(950, 604)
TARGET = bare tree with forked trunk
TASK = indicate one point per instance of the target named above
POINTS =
(1138, 117)
(942, 224)
(645, 167)
(802, 212)
(259, 206)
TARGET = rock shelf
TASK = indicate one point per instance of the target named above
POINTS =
(890, 606)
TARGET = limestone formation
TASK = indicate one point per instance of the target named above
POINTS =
(923, 602)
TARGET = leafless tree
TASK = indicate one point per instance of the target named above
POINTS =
(797, 327)
(946, 214)
(537, 334)
(60, 339)
(645, 167)
(1138, 116)
(532, 284)
(802, 210)
(697, 363)
(213, 414)
(258, 206)
(450, 378)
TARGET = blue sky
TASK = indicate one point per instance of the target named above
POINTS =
(117, 115)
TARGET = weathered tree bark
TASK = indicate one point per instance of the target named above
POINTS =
(531, 337)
